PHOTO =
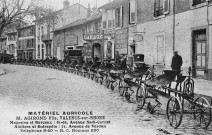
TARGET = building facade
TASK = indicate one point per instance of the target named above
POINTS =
(183, 26)
(93, 37)
(44, 38)
(3, 41)
(115, 25)
(67, 31)
(26, 43)
(11, 43)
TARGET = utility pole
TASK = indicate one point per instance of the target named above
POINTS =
(173, 25)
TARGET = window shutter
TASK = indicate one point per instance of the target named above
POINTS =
(104, 25)
(121, 16)
(116, 18)
(166, 6)
(132, 11)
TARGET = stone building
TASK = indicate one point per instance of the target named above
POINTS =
(3, 41)
(65, 34)
(176, 25)
(26, 42)
(11, 43)
(115, 23)
(93, 37)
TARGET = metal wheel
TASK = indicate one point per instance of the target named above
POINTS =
(100, 80)
(141, 94)
(121, 87)
(107, 82)
(96, 78)
(127, 95)
(111, 86)
(150, 108)
(174, 112)
(92, 76)
(203, 112)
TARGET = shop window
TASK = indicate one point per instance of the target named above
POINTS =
(161, 7)
(132, 11)
(119, 16)
(197, 2)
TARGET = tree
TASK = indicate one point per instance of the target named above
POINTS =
(13, 12)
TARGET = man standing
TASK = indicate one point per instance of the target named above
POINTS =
(176, 61)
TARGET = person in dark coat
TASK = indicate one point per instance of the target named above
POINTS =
(176, 61)
(176, 65)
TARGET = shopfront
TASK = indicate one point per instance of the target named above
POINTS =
(93, 46)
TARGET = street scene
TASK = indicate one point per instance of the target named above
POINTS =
(26, 88)
(106, 67)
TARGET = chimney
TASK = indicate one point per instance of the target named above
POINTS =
(89, 11)
(66, 3)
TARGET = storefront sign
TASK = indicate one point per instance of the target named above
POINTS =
(71, 40)
(93, 36)
(121, 38)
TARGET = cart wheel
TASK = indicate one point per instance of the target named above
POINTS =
(121, 87)
(203, 112)
(88, 75)
(101, 81)
(111, 86)
(92, 77)
(150, 108)
(174, 112)
(141, 96)
(127, 95)
(107, 82)
(96, 78)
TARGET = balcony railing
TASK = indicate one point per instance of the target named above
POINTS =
(46, 37)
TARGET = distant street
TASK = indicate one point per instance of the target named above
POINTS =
(25, 88)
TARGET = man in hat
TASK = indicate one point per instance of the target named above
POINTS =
(176, 61)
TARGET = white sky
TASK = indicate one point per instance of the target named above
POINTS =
(58, 4)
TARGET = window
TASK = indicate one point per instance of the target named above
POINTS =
(110, 23)
(104, 25)
(38, 50)
(159, 48)
(132, 11)
(197, 2)
(119, 16)
(161, 7)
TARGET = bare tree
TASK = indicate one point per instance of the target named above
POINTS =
(13, 12)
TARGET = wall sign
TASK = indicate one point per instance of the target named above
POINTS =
(138, 37)
(71, 39)
(121, 38)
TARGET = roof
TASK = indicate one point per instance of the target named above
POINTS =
(94, 17)
(113, 4)
(26, 27)
(75, 23)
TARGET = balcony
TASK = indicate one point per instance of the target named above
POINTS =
(46, 37)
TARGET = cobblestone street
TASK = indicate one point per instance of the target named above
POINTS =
(25, 88)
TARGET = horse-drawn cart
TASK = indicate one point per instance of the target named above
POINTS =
(181, 100)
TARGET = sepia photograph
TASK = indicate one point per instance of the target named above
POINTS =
(105, 67)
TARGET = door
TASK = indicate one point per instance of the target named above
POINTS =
(199, 53)
(159, 48)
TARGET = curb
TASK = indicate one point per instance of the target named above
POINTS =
(2, 72)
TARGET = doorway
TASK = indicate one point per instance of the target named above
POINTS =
(199, 60)
(96, 50)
